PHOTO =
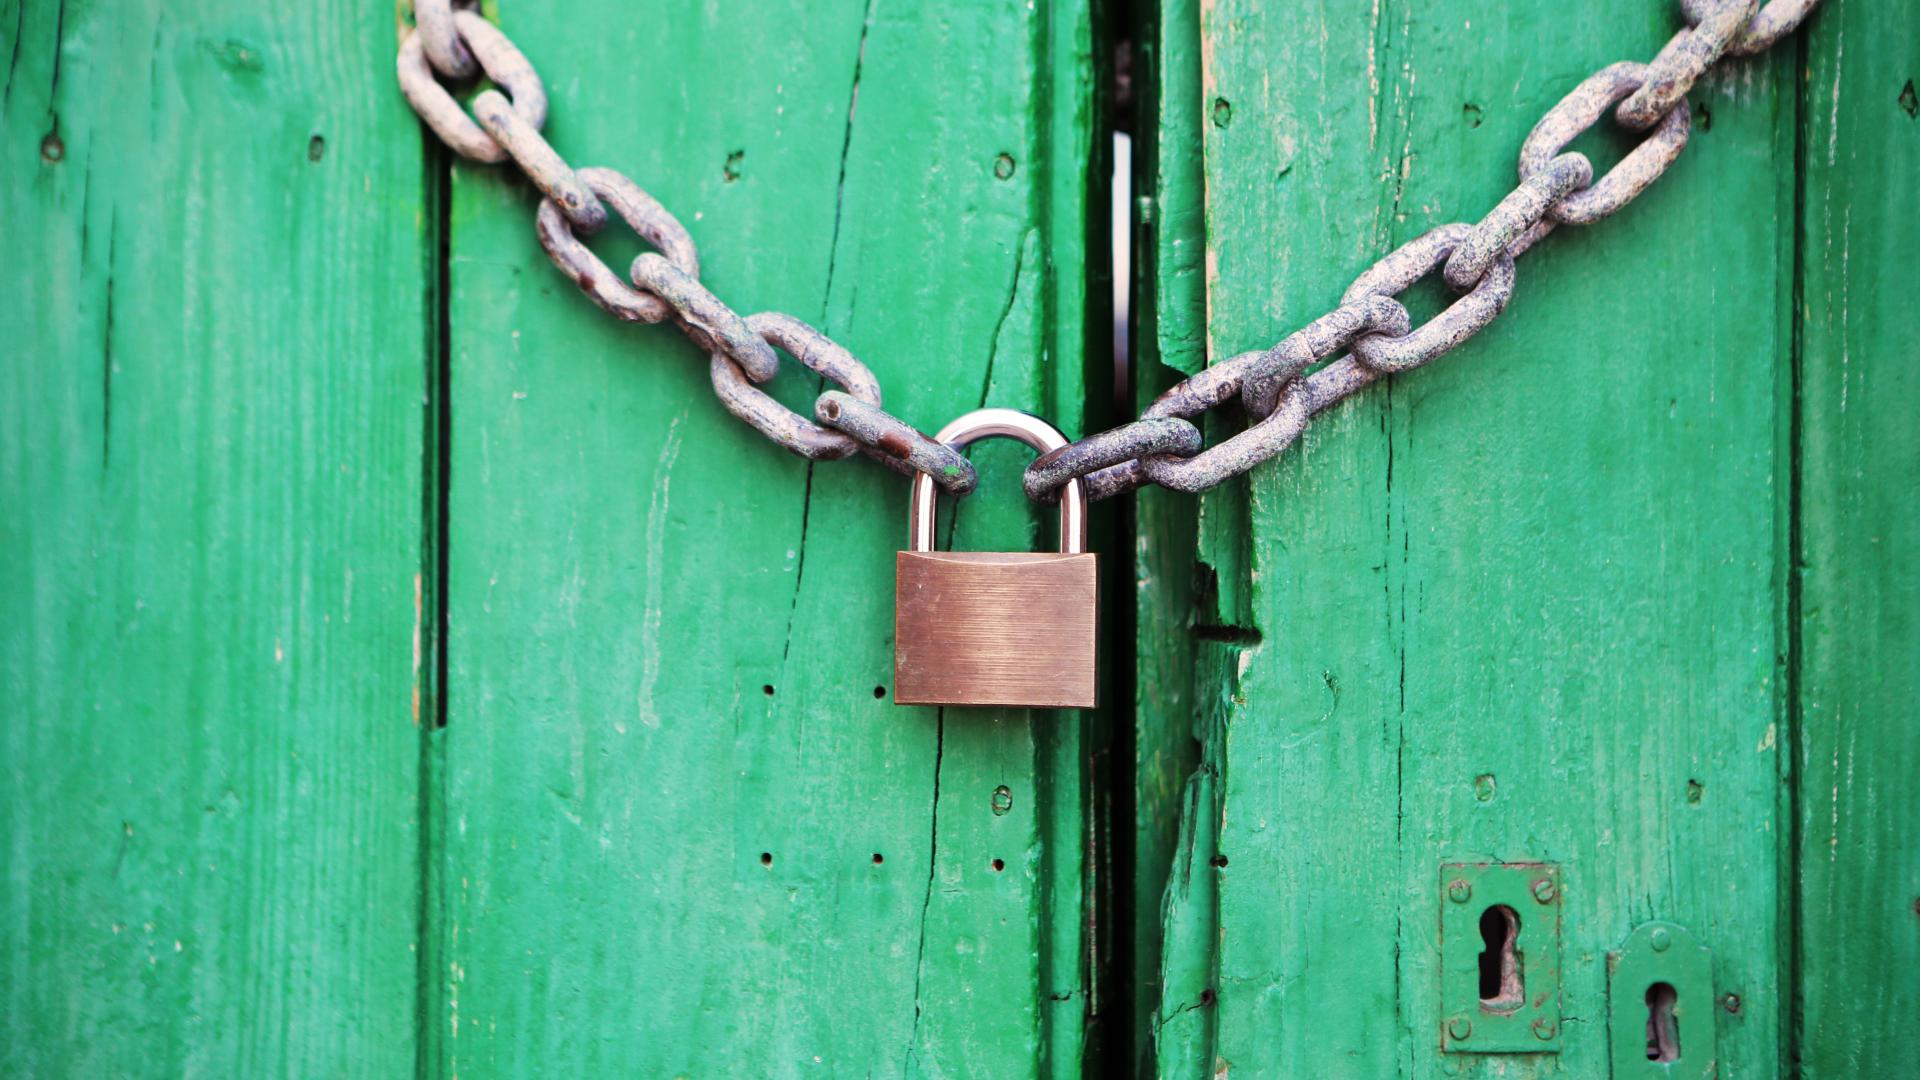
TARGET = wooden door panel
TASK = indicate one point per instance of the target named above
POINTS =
(1857, 611)
(1535, 602)
(686, 831)
(1624, 584)
(211, 468)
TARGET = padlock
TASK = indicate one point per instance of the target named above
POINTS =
(996, 628)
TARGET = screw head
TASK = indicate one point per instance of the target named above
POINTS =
(1459, 1027)
(1731, 1003)
(1544, 891)
(1660, 940)
(1459, 892)
(1545, 1029)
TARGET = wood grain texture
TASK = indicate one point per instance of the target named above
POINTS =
(1169, 342)
(686, 831)
(210, 488)
(1522, 605)
(1858, 609)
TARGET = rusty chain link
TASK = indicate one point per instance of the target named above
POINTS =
(1278, 391)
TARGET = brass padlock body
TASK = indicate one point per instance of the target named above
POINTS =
(1015, 629)
(995, 628)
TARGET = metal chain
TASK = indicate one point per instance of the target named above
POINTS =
(1275, 386)
(454, 43)
(1278, 393)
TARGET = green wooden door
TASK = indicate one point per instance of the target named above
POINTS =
(409, 669)
(1623, 586)
(210, 510)
(681, 828)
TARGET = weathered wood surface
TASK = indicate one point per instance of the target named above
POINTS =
(222, 528)
(1538, 601)
(1857, 942)
(210, 491)
(686, 830)
(1641, 554)
(1169, 342)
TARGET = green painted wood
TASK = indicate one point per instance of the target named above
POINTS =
(686, 832)
(1858, 609)
(210, 489)
(1169, 343)
(1527, 604)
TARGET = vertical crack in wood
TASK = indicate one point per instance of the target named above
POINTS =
(106, 350)
(846, 147)
(1006, 309)
(431, 599)
(1790, 911)
(926, 902)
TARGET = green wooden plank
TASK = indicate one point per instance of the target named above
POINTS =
(1552, 559)
(1169, 343)
(210, 481)
(670, 760)
(1858, 609)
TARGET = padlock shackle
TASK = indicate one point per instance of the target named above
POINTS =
(999, 423)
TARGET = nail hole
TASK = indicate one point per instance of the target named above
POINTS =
(1663, 1030)
(879, 691)
(766, 858)
(1484, 787)
(1002, 800)
(1206, 996)
(1909, 101)
(878, 858)
(1471, 114)
(1501, 989)
(1695, 789)
(767, 689)
(1218, 860)
(1003, 166)
(316, 148)
(732, 168)
(999, 865)
(1222, 112)
(52, 150)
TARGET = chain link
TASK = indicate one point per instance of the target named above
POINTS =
(1514, 217)
(1399, 269)
(503, 63)
(895, 443)
(538, 159)
(776, 421)
(1367, 317)
(1682, 61)
(1160, 435)
(1773, 22)
(1277, 390)
(651, 221)
(444, 49)
(1574, 114)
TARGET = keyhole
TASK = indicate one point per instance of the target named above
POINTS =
(1663, 1031)
(1501, 989)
